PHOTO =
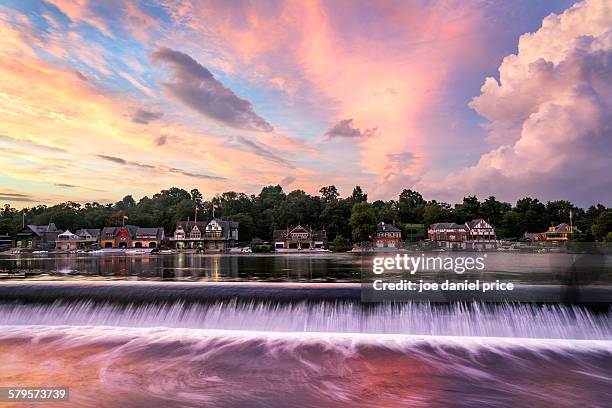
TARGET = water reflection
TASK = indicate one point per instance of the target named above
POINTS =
(191, 267)
(567, 269)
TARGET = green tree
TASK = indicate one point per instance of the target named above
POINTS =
(602, 225)
(329, 194)
(410, 207)
(339, 244)
(436, 212)
(363, 222)
(358, 195)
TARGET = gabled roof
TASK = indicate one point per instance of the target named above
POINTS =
(564, 227)
(188, 225)
(447, 225)
(474, 223)
(315, 234)
(157, 232)
(41, 229)
(109, 232)
(83, 232)
(299, 230)
(382, 227)
(226, 226)
(67, 233)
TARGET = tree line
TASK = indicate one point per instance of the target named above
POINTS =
(352, 218)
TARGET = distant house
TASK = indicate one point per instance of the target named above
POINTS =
(88, 238)
(215, 234)
(5, 242)
(67, 240)
(480, 230)
(534, 236)
(298, 237)
(148, 237)
(131, 236)
(37, 236)
(387, 236)
(472, 234)
(448, 232)
(558, 233)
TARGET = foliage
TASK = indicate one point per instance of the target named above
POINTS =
(339, 244)
(363, 222)
(603, 225)
(353, 216)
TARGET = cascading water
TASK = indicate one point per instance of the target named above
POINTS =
(473, 319)
(160, 347)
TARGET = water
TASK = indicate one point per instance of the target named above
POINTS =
(159, 367)
(549, 268)
(187, 267)
(121, 331)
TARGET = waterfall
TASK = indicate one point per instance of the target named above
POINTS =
(412, 318)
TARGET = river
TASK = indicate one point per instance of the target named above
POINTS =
(289, 331)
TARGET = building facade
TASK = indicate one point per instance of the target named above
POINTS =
(37, 236)
(131, 236)
(448, 232)
(387, 236)
(475, 234)
(88, 237)
(66, 240)
(213, 235)
(148, 237)
(299, 238)
(558, 233)
(6, 242)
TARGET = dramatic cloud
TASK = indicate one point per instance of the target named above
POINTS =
(171, 170)
(550, 115)
(345, 128)
(264, 151)
(197, 88)
(144, 116)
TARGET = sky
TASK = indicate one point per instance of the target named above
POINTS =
(103, 99)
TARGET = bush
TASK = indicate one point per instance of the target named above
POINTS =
(262, 248)
(339, 244)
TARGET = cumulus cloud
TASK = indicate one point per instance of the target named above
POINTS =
(144, 116)
(550, 114)
(263, 151)
(346, 129)
(196, 87)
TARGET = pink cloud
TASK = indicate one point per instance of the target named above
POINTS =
(549, 116)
